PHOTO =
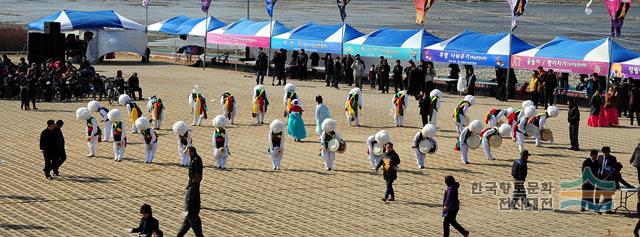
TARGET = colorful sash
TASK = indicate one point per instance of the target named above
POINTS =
(147, 135)
(218, 137)
(513, 117)
(458, 113)
(228, 103)
(398, 101)
(276, 138)
(260, 103)
(200, 104)
(291, 95)
(158, 107)
(434, 102)
(117, 131)
(89, 127)
(135, 112)
(535, 120)
(352, 105)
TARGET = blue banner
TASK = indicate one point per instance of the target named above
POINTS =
(307, 45)
(480, 59)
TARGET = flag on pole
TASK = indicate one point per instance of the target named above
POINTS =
(270, 5)
(205, 5)
(517, 10)
(587, 9)
(617, 11)
(342, 4)
(422, 7)
(145, 3)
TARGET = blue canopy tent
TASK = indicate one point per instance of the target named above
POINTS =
(473, 48)
(566, 55)
(316, 38)
(86, 20)
(247, 33)
(392, 43)
(168, 26)
(196, 26)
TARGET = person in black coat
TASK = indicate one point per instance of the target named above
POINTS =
(60, 148)
(148, 224)
(301, 63)
(49, 146)
(262, 63)
(397, 77)
(337, 70)
(451, 206)
(471, 80)
(607, 165)
(519, 172)
(389, 164)
(328, 69)
(589, 168)
(574, 123)
(635, 160)
(425, 108)
(192, 197)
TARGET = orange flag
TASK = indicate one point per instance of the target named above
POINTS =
(422, 7)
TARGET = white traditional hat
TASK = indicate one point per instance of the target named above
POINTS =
(553, 111)
(508, 111)
(382, 137)
(530, 111)
(180, 128)
(82, 113)
(328, 125)
(428, 130)
(124, 99)
(470, 99)
(114, 115)
(436, 92)
(276, 126)
(527, 103)
(289, 87)
(475, 126)
(93, 106)
(142, 123)
(219, 121)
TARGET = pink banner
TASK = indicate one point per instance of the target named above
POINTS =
(242, 40)
(559, 65)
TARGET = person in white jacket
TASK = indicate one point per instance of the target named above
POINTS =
(539, 121)
(492, 138)
(118, 134)
(494, 115)
(358, 71)
(149, 138)
(155, 107)
(228, 103)
(259, 103)
(198, 103)
(353, 106)
(435, 97)
(276, 143)
(328, 133)
(519, 132)
(181, 129)
(220, 141)
(94, 106)
(461, 112)
(133, 111)
(93, 131)
(399, 107)
(428, 133)
(322, 113)
(379, 139)
(474, 129)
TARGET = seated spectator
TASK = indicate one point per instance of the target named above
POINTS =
(149, 226)
(134, 85)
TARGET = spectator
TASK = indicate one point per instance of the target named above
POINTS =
(429, 76)
(60, 148)
(589, 167)
(607, 172)
(635, 160)
(134, 86)
(383, 71)
(372, 77)
(148, 224)
(454, 73)
(574, 123)
(192, 198)
(348, 71)
(262, 64)
(49, 146)
(550, 85)
(315, 59)
(519, 173)
(397, 77)
(301, 62)
(328, 69)
(338, 72)
(634, 102)
(471, 80)
(119, 83)
(451, 206)
(358, 69)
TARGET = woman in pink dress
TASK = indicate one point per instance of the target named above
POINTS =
(609, 112)
(596, 105)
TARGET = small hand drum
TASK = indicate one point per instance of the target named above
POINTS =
(425, 146)
(473, 142)
(334, 145)
(495, 140)
(342, 146)
(546, 135)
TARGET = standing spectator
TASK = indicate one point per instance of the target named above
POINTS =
(32, 84)
(280, 65)
(397, 77)
(148, 224)
(358, 69)
(533, 88)
(589, 167)
(634, 102)
(315, 59)
(550, 85)
(454, 73)
(542, 77)
(635, 160)
(595, 103)
(348, 71)
(574, 123)
(273, 61)
(24, 95)
(389, 164)
(192, 197)
(48, 146)
(451, 206)
(501, 79)
(337, 72)
(635, 230)
(419, 76)
(471, 80)
(328, 69)
(411, 80)
(425, 108)
(372, 77)
(262, 63)
(607, 164)
(429, 76)
(384, 76)
(378, 71)
(622, 103)
(513, 81)
(519, 174)
(60, 148)
(301, 62)
(134, 86)
(564, 87)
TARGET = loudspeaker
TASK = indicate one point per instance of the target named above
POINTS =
(45, 46)
(52, 27)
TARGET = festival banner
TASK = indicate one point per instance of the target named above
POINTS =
(422, 7)
(270, 5)
(480, 59)
(342, 4)
(307, 45)
(205, 5)
(517, 10)
(622, 70)
(373, 51)
(559, 65)
(241, 40)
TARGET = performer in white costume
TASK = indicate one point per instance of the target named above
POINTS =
(118, 134)
(220, 141)
(155, 107)
(539, 121)
(435, 97)
(492, 138)
(149, 138)
(353, 106)
(94, 106)
(93, 130)
(514, 117)
(375, 147)
(427, 133)
(198, 104)
(289, 95)
(259, 103)
(399, 107)
(460, 114)
(181, 129)
(228, 103)
(276, 143)
(133, 111)
(492, 117)
(328, 133)
(519, 131)
(468, 136)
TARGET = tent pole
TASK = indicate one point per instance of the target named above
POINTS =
(247, 9)
(609, 42)
(269, 57)
(506, 90)
(206, 29)
(344, 28)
